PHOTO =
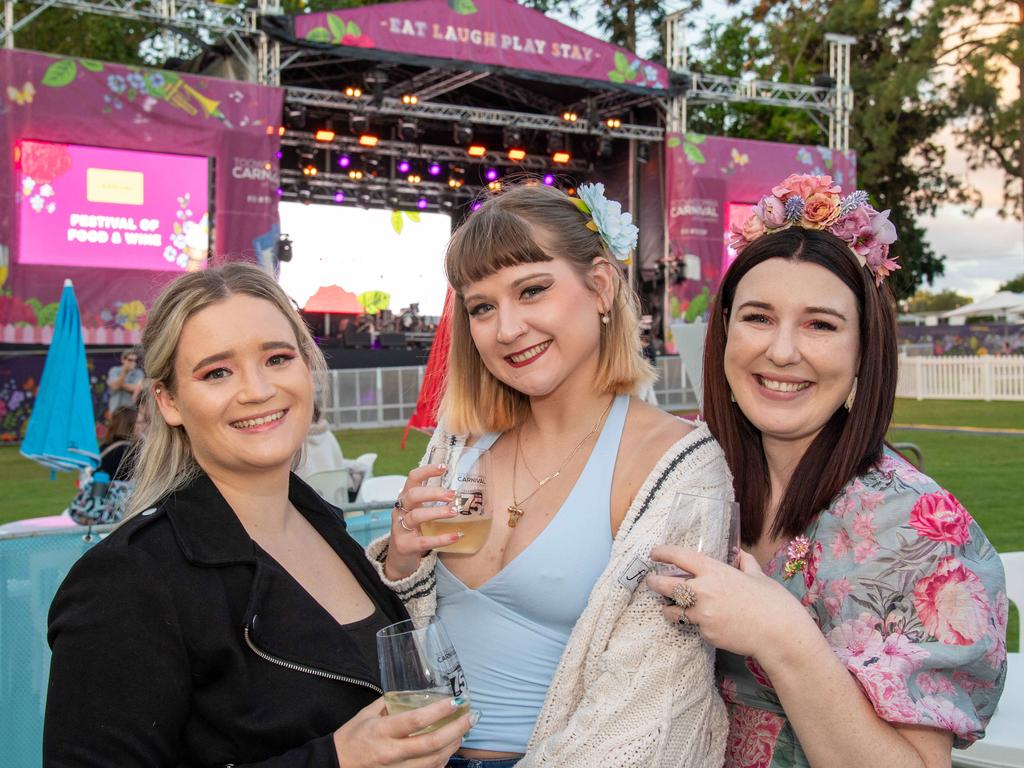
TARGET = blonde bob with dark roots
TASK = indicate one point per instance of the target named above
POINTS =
(506, 231)
(166, 462)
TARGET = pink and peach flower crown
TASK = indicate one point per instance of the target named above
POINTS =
(814, 202)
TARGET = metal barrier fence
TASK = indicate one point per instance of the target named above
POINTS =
(962, 378)
(386, 397)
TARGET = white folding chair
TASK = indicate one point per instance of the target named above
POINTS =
(332, 485)
(384, 489)
(1003, 745)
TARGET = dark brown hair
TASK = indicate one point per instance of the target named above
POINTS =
(121, 424)
(850, 442)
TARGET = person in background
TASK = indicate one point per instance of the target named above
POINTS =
(867, 623)
(124, 381)
(118, 443)
(568, 661)
(231, 619)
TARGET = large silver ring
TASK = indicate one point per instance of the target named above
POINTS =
(684, 596)
(401, 522)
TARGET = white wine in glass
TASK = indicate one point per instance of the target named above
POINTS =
(467, 473)
(418, 666)
(706, 525)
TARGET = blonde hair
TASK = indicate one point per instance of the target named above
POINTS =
(504, 232)
(165, 459)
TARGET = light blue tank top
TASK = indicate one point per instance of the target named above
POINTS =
(510, 633)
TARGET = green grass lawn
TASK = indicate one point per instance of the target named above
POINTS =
(983, 471)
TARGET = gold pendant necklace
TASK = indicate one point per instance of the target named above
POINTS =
(515, 509)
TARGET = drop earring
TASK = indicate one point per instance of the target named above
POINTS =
(852, 396)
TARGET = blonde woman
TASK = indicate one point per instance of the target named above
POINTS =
(569, 663)
(231, 619)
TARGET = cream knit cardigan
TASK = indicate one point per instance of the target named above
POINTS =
(631, 690)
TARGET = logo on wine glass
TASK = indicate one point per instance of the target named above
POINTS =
(471, 503)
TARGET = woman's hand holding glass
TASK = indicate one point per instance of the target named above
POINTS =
(418, 503)
(375, 739)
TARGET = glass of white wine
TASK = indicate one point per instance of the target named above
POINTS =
(707, 525)
(419, 666)
(466, 473)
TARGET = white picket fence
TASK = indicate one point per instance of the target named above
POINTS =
(962, 378)
(386, 397)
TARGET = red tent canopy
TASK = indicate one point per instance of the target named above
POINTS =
(424, 418)
(334, 300)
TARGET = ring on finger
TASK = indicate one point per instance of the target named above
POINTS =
(683, 595)
(401, 522)
(399, 505)
(682, 621)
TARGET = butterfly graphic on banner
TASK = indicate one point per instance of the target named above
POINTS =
(21, 96)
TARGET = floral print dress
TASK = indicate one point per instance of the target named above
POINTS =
(911, 596)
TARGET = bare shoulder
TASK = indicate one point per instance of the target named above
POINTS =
(649, 432)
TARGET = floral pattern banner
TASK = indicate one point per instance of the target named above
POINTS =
(712, 181)
(499, 33)
(51, 103)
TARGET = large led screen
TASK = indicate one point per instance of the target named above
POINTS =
(95, 207)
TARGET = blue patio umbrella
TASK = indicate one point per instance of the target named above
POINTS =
(61, 432)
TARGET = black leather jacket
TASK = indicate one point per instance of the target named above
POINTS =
(178, 642)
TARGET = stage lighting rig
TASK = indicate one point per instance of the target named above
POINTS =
(511, 136)
(613, 123)
(295, 116)
(561, 157)
(604, 147)
(368, 140)
(354, 92)
(408, 129)
(326, 134)
(358, 124)
(462, 133)
(410, 99)
(517, 154)
(556, 143)
(284, 248)
(375, 80)
(643, 152)
(476, 150)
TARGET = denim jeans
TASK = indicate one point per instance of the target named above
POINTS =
(457, 761)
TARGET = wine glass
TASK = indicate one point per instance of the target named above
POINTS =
(706, 525)
(419, 666)
(466, 473)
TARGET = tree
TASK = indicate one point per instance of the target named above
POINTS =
(986, 56)
(899, 106)
(926, 301)
(1015, 285)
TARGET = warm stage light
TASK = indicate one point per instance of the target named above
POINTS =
(476, 150)
(355, 174)
(570, 117)
(410, 99)
(561, 157)
(368, 140)
(613, 122)
(414, 178)
(517, 154)
(309, 170)
(353, 92)
(324, 134)
(455, 182)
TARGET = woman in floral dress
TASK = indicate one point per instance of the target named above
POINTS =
(866, 624)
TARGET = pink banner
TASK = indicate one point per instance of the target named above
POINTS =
(712, 179)
(500, 33)
(158, 132)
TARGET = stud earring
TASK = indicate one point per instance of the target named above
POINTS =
(605, 318)
(852, 396)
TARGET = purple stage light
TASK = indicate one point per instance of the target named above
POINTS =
(403, 166)
(279, 192)
(344, 161)
(491, 174)
(476, 206)
(435, 169)
(280, 154)
(422, 203)
(339, 196)
(549, 179)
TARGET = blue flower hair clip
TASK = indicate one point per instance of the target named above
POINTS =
(607, 219)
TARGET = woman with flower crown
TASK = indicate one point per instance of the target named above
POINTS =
(566, 655)
(866, 624)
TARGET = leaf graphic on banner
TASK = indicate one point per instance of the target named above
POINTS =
(396, 222)
(353, 29)
(616, 77)
(623, 73)
(462, 7)
(337, 27)
(92, 65)
(674, 141)
(693, 153)
(695, 138)
(60, 73)
(698, 306)
(319, 35)
(413, 216)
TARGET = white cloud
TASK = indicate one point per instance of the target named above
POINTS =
(981, 251)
